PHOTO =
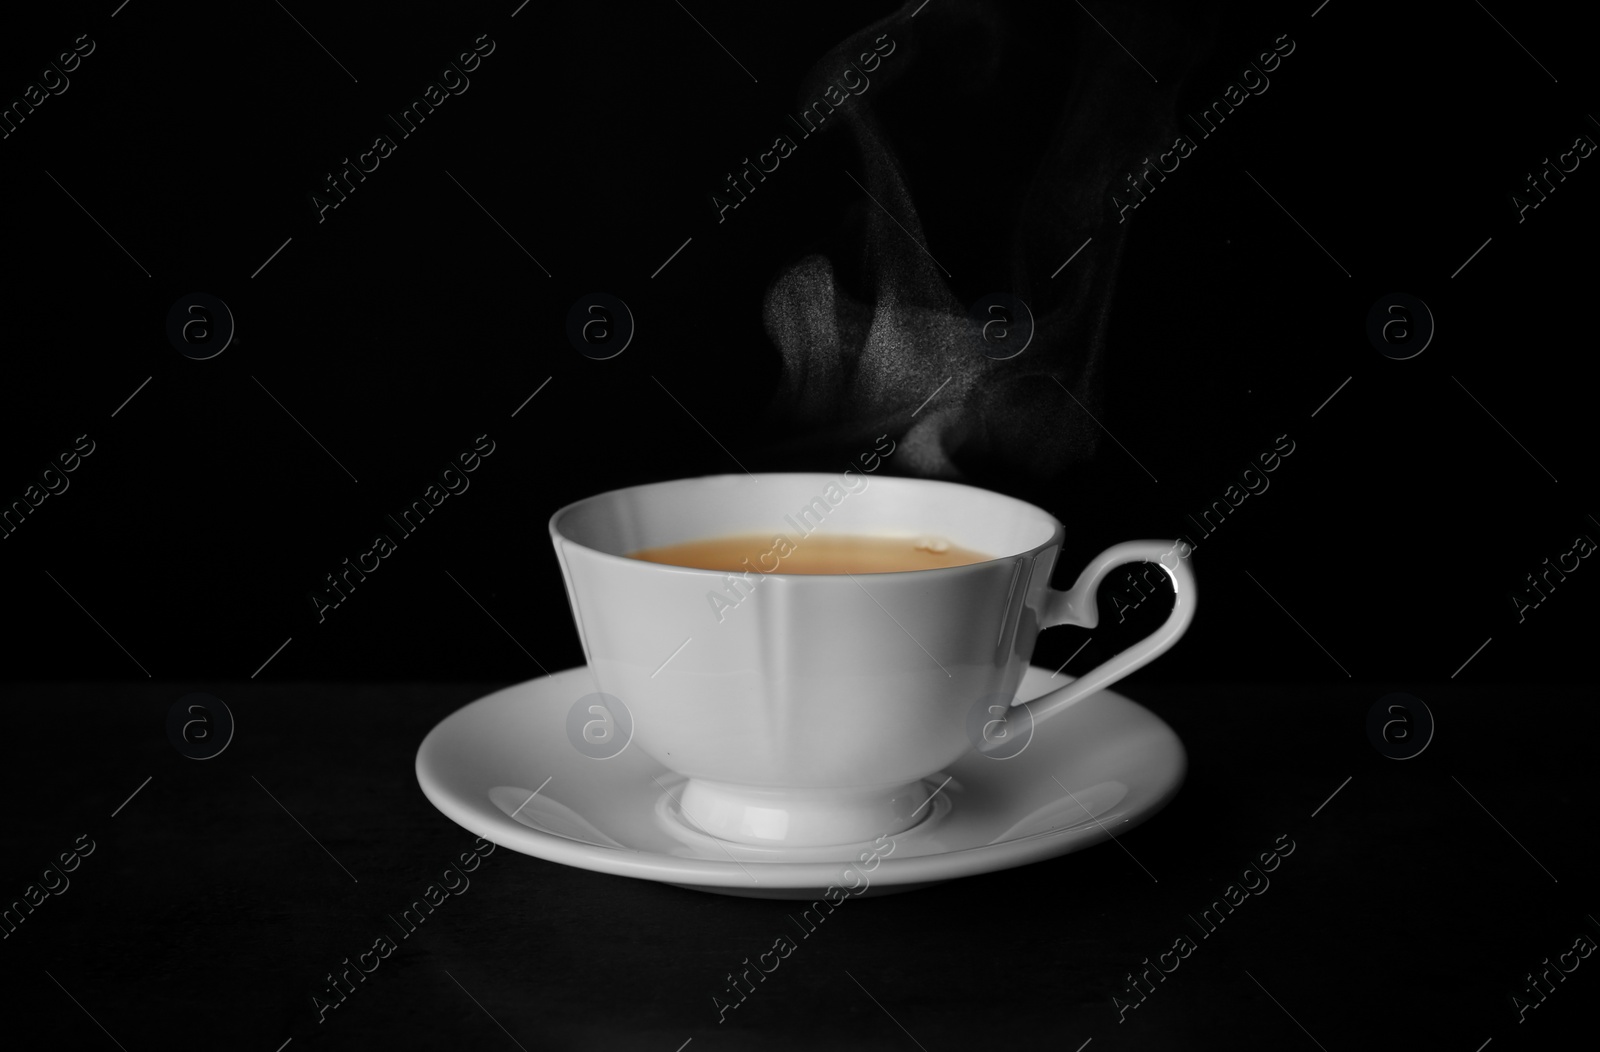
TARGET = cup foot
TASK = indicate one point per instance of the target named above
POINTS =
(744, 814)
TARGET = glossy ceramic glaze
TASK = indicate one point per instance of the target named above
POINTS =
(811, 709)
(502, 768)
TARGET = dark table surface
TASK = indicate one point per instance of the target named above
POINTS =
(1418, 896)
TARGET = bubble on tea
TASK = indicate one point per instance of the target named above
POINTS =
(936, 545)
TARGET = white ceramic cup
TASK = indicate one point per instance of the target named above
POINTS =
(811, 711)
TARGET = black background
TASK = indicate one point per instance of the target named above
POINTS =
(409, 322)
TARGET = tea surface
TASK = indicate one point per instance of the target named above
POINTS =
(817, 554)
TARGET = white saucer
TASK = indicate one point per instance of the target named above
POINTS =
(485, 764)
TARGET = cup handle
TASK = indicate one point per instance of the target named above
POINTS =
(1076, 606)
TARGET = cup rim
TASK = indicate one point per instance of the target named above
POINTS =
(1057, 528)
